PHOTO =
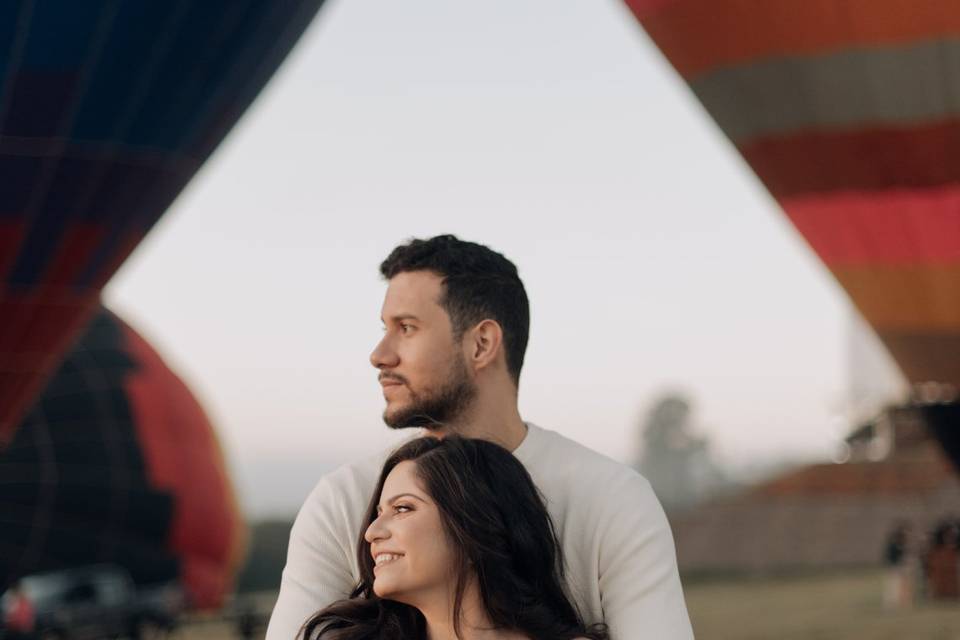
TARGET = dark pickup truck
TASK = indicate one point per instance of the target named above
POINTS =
(98, 601)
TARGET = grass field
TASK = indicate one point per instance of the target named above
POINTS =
(826, 607)
(820, 607)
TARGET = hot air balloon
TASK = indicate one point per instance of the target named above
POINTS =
(107, 109)
(849, 112)
(117, 463)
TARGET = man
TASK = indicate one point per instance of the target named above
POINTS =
(456, 322)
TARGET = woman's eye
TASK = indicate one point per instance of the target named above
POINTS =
(403, 508)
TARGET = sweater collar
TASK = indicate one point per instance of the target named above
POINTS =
(529, 443)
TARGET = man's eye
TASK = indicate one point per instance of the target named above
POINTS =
(406, 328)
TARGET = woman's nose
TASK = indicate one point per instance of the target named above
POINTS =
(376, 531)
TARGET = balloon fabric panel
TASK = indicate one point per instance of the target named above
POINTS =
(702, 35)
(74, 489)
(893, 227)
(183, 456)
(107, 109)
(118, 463)
(841, 91)
(920, 157)
(849, 112)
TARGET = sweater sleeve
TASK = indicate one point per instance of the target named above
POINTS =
(639, 582)
(318, 570)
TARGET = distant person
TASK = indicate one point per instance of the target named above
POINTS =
(457, 543)
(941, 563)
(456, 322)
(247, 622)
(898, 581)
(19, 616)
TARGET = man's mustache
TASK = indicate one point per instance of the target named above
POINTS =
(391, 376)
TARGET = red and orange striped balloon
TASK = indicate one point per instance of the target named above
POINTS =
(849, 112)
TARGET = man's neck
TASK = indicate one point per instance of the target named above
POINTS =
(503, 426)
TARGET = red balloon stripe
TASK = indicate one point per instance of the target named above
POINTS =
(866, 159)
(906, 226)
(182, 455)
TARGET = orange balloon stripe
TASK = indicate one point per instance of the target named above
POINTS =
(925, 356)
(907, 298)
(646, 8)
(698, 36)
(891, 227)
(875, 158)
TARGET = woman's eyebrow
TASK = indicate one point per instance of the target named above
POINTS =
(401, 495)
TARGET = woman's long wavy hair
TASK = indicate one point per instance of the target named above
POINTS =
(501, 533)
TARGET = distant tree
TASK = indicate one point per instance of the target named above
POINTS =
(266, 556)
(675, 459)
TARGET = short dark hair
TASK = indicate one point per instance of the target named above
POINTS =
(479, 283)
(498, 523)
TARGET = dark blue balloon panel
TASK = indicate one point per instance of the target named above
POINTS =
(107, 110)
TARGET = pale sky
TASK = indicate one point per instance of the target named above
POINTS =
(555, 133)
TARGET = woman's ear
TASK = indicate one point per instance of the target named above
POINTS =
(486, 342)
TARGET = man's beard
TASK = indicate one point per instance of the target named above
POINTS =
(436, 408)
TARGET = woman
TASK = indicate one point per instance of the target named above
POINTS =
(458, 545)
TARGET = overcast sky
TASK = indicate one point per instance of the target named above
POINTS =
(553, 132)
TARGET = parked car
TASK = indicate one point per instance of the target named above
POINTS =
(98, 601)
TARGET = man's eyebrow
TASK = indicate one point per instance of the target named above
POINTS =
(402, 316)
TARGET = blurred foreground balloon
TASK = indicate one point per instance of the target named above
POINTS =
(107, 109)
(849, 112)
(118, 463)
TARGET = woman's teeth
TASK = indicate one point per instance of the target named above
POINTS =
(383, 558)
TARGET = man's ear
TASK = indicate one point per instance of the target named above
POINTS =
(486, 344)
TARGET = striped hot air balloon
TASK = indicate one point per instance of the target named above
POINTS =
(118, 463)
(107, 109)
(849, 112)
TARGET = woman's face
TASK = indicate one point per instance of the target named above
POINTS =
(413, 559)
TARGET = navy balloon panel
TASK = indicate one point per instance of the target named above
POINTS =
(107, 110)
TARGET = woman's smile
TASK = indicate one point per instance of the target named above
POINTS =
(383, 558)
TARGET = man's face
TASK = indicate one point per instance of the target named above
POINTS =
(422, 369)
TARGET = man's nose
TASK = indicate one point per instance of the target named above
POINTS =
(383, 355)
